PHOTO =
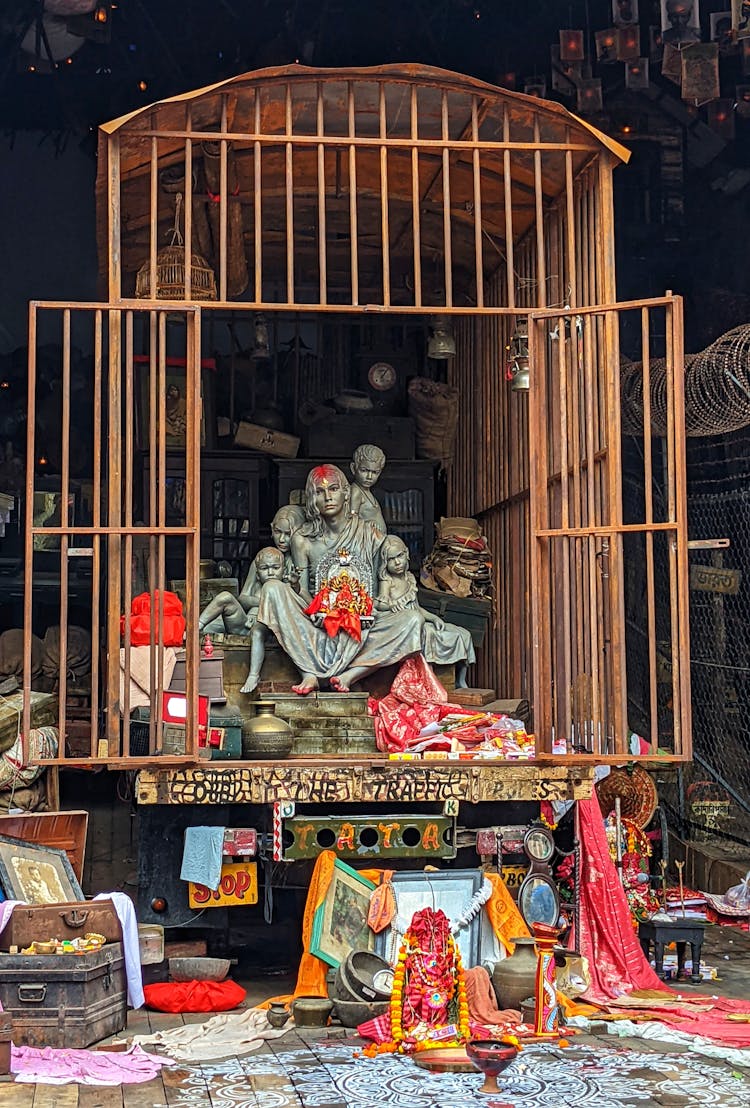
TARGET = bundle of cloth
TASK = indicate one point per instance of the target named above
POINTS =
(460, 562)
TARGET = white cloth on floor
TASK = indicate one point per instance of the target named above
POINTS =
(659, 1032)
(201, 856)
(125, 909)
(223, 1036)
(140, 674)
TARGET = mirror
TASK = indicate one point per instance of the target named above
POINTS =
(538, 900)
(539, 844)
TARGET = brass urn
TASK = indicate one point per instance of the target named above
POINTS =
(265, 735)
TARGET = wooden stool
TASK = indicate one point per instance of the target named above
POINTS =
(679, 931)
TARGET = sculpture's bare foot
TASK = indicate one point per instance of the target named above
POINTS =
(251, 684)
(308, 684)
(338, 685)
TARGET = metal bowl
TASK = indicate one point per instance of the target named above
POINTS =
(198, 969)
(367, 976)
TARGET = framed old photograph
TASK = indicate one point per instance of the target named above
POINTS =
(175, 403)
(340, 922)
(36, 874)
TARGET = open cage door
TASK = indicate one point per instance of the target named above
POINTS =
(108, 521)
(609, 573)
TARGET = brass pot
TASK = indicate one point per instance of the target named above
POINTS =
(514, 978)
(206, 568)
(265, 735)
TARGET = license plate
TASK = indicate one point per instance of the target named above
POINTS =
(238, 886)
(513, 875)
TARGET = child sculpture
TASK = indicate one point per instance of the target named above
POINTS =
(442, 643)
(366, 466)
(227, 613)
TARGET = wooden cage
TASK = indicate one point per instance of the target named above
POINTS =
(407, 192)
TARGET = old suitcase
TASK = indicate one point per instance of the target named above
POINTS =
(64, 1000)
(40, 922)
(472, 612)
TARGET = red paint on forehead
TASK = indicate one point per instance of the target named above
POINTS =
(325, 473)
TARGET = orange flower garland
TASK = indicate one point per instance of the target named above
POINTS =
(414, 1038)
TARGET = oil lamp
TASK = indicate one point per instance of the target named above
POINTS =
(261, 348)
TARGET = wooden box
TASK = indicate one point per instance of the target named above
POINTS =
(210, 676)
(470, 612)
(277, 443)
(340, 435)
(40, 922)
(64, 1000)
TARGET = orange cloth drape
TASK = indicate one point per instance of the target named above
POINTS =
(507, 922)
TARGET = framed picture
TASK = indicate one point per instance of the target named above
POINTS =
(624, 12)
(175, 405)
(36, 874)
(340, 922)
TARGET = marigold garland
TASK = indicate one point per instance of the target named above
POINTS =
(429, 974)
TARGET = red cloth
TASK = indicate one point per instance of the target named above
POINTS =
(416, 699)
(194, 996)
(173, 631)
(616, 962)
(711, 1025)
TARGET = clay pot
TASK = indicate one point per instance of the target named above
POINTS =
(277, 1014)
(265, 735)
(514, 978)
(311, 1011)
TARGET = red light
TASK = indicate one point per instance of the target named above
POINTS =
(158, 904)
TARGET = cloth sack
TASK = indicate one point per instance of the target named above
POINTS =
(140, 620)
(194, 996)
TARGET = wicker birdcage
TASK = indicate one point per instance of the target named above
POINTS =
(170, 271)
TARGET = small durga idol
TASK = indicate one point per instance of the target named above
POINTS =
(428, 1006)
(343, 595)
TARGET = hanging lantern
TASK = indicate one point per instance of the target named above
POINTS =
(606, 45)
(590, 96)
(170, 270)
(261, 349)
(571, 46)
(518, 362)
(441, 343)
(628, 43)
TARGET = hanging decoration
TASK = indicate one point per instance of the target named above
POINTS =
(721, 31)
(680, 22)
(590, 96)
(565, 75)
(700, 72)
(428, 1005)
(741, 18)
(628, 43)
(535, 86)
(721, 117)
(671, 64)
(624, 12)
(518, 362)
(170, 270)
(571, 46)
(606, 45)
(636, 74)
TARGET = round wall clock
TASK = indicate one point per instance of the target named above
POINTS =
(382, 376)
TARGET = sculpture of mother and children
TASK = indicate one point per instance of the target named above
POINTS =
(335, 590)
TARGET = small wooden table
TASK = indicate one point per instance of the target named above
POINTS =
(678, 931)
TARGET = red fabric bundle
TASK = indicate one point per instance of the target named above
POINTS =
(416, 699)
(140, 620)
(194, 996)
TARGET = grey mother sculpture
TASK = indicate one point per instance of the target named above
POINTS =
(324, 614)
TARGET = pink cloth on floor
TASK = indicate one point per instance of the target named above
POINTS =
(47, 1066)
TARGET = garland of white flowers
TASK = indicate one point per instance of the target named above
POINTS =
(399, 925)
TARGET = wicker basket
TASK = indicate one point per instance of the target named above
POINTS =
(170, 271)
(170, 277)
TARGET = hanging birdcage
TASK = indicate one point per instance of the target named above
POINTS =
(170, 270)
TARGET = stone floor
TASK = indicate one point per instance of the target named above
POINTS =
(308, 1069)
